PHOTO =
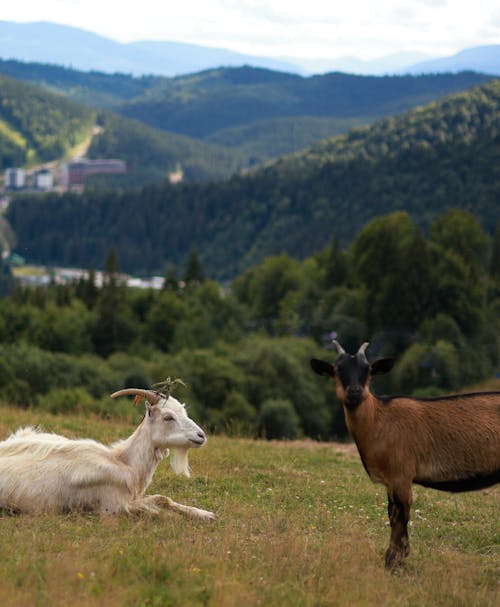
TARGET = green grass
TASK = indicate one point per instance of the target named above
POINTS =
(300, 524)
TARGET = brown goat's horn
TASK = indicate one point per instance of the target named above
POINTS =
(362, 347)
(149, 395)
(338, 347)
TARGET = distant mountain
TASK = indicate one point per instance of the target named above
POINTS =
(97, 89)
(200, 105)
(69, 46)
(485, 59)
(428, 160)
(250, 114)
(396, 63)
(182, 58)
(83, 50)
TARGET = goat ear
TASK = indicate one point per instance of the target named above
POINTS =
(152, 410)
(382, 366)
(321, 367)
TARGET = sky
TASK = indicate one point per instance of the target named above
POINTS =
(309, 29)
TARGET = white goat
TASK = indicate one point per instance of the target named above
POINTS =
(41, 472)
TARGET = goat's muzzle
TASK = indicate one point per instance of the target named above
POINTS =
(353, 396)
(200, 439)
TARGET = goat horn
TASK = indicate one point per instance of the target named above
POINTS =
(338, 347)
(149, 395)
(362, 347)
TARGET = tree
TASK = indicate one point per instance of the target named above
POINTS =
(7, 281)
(163, 319)
(335, 265)
(266, 287)
(87, 289)
(171, 282)
(114, 327)
(459, 232)
(406, 297)
(459, 250)
(193, 273)
(278, 419)
(390, 259)
(495, 255)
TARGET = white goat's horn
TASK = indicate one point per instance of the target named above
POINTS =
(149, 395)
(338, 347)
(362, 347)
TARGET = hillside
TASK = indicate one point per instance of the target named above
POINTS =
(38, 126)
(152, 154)
(425, 161)
(258, 112)
(97, 89)
(201, 104)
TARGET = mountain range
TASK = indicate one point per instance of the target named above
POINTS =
(83, 50)
(435, 157)
(206, 125)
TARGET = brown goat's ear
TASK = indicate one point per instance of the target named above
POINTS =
(382, 366)
(321, 367)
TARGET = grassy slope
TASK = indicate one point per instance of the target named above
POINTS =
(299, 524)
(36, 125)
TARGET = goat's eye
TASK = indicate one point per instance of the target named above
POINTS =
(169, 418)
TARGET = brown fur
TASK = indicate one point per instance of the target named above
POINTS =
(450, 443)
(447, 443)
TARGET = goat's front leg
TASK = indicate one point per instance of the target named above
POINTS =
(399, 503)
(162, 501)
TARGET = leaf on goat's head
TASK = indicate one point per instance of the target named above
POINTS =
(166, 386)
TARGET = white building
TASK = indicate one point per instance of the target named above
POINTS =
(44, 180)
(15, 178)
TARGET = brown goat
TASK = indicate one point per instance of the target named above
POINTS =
(450, 443)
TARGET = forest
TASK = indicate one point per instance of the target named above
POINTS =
(243, 350)
(426, 161)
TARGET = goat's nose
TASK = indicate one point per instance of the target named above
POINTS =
(201, 434)
(354, 394)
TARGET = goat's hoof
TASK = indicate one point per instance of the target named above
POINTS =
(393, 558)
(205, 515)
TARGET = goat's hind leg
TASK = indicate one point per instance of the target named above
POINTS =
(161, 501)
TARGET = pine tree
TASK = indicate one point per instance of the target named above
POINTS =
(194, 271)
(170, 283)
(113, 328)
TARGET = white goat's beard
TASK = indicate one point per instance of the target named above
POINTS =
(179, 460)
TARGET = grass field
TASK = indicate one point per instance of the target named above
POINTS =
(300, 524)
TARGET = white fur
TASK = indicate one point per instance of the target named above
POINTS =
(42, 472)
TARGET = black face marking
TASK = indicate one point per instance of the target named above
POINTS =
(353, 372)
